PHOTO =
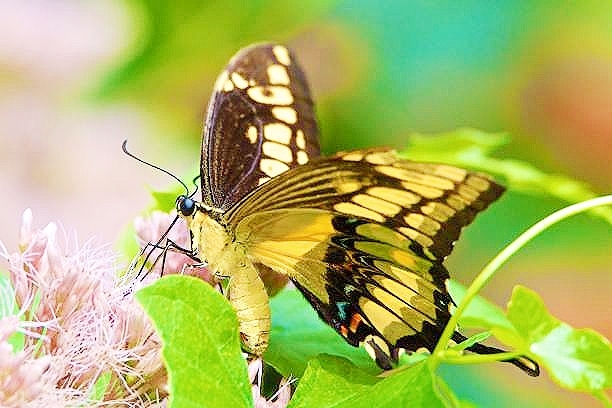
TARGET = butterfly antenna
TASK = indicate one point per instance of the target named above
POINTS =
(195, 183)
(125, 150)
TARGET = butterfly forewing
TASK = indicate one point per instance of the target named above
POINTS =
(426, 203)
(260, 123)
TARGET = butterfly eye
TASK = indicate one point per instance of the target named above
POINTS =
(185, 206)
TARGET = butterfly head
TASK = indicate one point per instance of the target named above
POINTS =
(185, 206)
(192, 211)
(208, 235)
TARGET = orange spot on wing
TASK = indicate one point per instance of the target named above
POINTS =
(355, 322)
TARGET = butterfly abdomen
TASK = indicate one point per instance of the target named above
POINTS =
(246, 291)
(248, 296)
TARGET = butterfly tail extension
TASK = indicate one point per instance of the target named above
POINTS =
(524, 363)
(380, 353)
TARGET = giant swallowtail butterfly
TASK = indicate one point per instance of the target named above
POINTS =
(362, 234)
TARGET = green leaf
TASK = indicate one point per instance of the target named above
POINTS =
(329, 379)
(470, 341)
(482, 314)
(470, 148)
(127, 243)
(166, 200)
(335, 382)
(447, 394)
(9, 307)
(298, 335)
(413, 358)
(201, 345)
(578, 359)
(455, 145)
(100, 386)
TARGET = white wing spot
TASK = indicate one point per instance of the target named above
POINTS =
(285, 113)
(302, 157)
(277, 74)
(478, 183)
(438, 211)
(251, 134)
(394, 195)
(300, 140)
(425, 191)
(272, 168)
(271, 95)
(239, 80)
(420, 238)
(278, 151)
(262, 180)
(422, 223)
(282, 54)
(278, 132)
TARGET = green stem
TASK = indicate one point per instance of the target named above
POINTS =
(479, 358)
(601, 395)
(489, 270)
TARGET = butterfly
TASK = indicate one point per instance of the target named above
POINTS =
(362, 234)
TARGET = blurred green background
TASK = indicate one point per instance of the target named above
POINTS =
(77, 78)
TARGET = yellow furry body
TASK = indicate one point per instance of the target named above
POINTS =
(246, 292)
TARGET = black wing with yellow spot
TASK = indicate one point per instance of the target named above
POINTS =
(363, 236)
(260, 123)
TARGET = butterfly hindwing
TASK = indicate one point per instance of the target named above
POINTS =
(260, 123)
(365, 287)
